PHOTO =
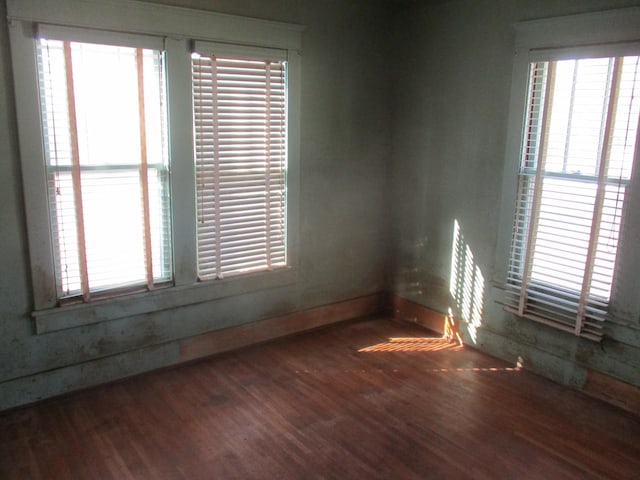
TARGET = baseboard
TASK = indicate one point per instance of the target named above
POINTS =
(598, 385)
(69, 379)
(43, 385)
(614, 391)
(228, 339)
(407, 311)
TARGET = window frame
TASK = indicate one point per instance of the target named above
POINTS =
(149, 282)
(176, 28)
(609, 33)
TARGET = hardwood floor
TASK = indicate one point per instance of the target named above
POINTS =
(361, 400)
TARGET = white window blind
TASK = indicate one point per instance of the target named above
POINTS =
(240, 124)
(578, 150)
(105, 142)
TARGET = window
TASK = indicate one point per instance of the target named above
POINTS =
(570, 185)
(577, 156)
(145, 190)
(240, 140)
(104, 128)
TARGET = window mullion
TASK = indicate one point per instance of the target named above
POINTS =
(144, 171)
(599, 200)
(182, 187)
(537, 192)
(76, 173)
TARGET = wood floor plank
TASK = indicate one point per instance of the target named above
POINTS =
(367, 399)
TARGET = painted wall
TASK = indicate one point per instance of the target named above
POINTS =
(344, 156)
(404, 110)
(452, 93)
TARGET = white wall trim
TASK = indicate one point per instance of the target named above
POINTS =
(133, 16)
(70, 316)
(593, 28)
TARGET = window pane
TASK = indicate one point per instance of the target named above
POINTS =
(626, 120)
(578, 111)
(106, 93)
(65, 234)
(607, 247)
(113, 226)
(54, 102)
(563, 232)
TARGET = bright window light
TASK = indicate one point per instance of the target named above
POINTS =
(104, 123)
(578, 149)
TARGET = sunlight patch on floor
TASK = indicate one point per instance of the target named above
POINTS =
(477, 369)
(413, 344)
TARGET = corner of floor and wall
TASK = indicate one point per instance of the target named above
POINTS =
(563, 369)
(42, 385)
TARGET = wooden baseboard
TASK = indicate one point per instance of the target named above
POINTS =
(66, 380)
(599, 385)
(220, 341)
(408, 311)
(612, 390)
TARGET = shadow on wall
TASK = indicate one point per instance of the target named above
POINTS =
(466, 286)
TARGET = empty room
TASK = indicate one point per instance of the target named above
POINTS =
(339, 239)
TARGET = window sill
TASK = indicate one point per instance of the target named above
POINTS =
(78, 315)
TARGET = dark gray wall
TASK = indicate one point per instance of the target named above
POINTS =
(344, 156)
(452, 87)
